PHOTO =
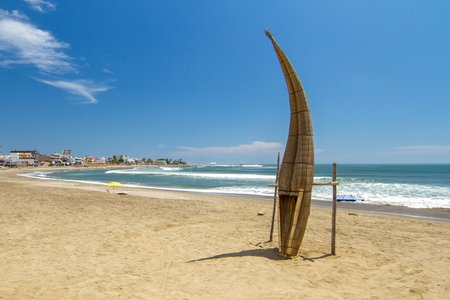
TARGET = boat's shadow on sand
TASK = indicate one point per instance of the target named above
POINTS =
(269, 253)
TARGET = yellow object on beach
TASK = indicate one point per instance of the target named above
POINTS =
(113, 184)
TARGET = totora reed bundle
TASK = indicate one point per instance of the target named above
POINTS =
(297, 170)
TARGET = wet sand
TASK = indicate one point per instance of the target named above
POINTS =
(442, 214)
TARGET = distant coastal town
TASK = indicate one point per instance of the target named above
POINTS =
(27, 158)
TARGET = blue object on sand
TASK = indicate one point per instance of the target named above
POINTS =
(349, 197)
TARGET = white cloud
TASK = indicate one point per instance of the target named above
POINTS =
(12, 14)
(107, 71)
(83, 88)
(41, 5)
(23, 43)
(422, 149)
(253, 148)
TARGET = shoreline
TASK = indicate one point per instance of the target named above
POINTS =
(439, 214)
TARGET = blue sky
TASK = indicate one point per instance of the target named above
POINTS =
(199, 80)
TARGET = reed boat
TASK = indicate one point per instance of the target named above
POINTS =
(297, 169)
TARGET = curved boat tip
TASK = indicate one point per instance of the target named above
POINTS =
(270, 36)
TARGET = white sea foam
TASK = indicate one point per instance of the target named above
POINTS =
(249, 190)
(228, 176)
(252, 166)
(43, 175)
(411, 195)
(322, 179)
(170, 169)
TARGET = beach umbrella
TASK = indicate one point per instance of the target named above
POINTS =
(113, 184)
(297, 169)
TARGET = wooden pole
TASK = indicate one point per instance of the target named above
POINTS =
(333, 217)
(275, 199)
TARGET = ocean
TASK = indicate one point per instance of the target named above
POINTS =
(416, 186)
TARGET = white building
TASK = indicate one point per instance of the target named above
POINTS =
(23, 157)
(4, 159)
(128, 160)
(100, 160)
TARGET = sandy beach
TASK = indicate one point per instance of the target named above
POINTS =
(65, 240)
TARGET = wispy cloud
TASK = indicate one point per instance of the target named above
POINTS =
(107, 71)
(84, 88)
(256, 147)
(23, 43)
(319, 150)
(41, 5)
(421, 149)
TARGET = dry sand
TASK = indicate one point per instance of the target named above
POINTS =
(61, 240)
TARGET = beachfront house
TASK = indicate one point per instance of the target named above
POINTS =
(56, 159)
(128, 160)
(89, 159)
(100, 160)
(93, 160)
(4, 159)
(24, 157)
(160, 162)
(43, 159)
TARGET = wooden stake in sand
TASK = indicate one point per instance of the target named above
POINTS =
(297, 170)
(334, 184)
(333, 218)
(275, 199)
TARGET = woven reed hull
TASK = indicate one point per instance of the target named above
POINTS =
(294, 213)
(297, 170)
